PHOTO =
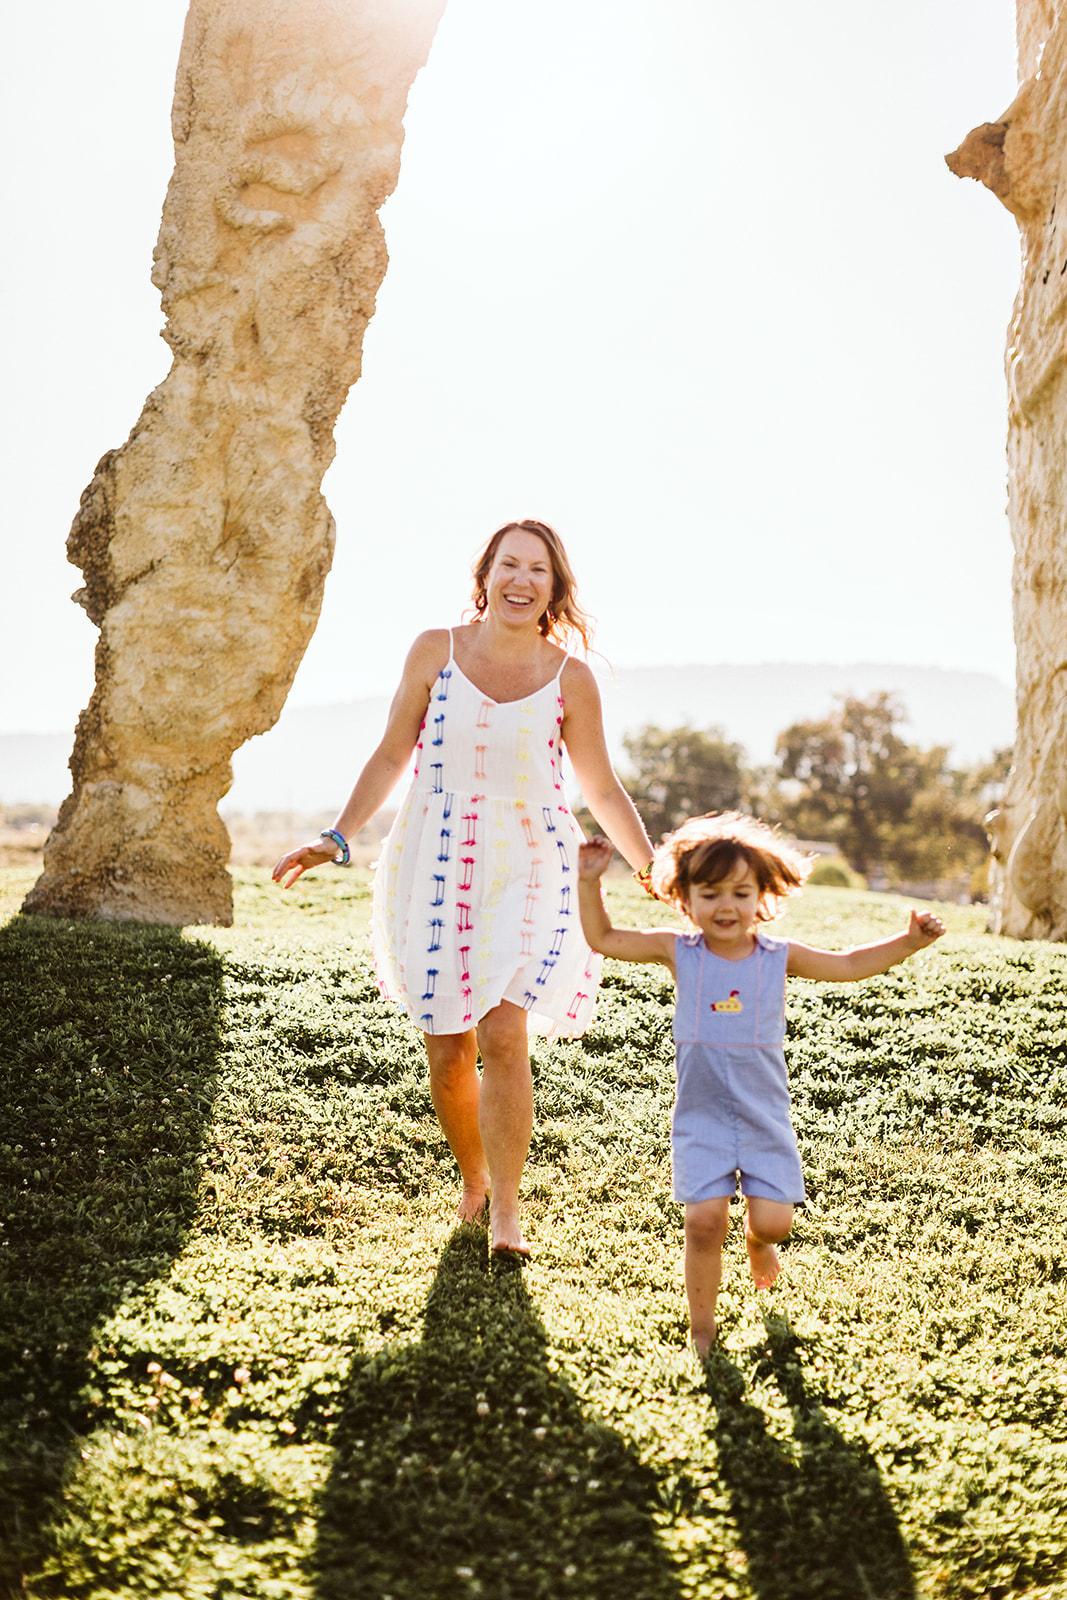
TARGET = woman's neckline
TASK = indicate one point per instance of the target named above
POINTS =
(454, 664)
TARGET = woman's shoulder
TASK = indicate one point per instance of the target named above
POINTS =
(433, 646)
(426, 660)
(577, 677)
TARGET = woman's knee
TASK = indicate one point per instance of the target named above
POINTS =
(707, 1222)
(502, 1035)
(451, 1056)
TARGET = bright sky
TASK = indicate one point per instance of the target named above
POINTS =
(689, 280)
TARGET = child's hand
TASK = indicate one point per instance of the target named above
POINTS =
(594, 857)
(923, 929)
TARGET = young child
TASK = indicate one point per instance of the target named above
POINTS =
(731, 1113)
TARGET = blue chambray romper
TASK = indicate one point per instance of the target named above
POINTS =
(731, 1111)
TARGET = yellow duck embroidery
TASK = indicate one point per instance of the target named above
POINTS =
(733, 1004)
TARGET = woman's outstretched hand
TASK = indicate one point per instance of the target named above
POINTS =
(301, 860)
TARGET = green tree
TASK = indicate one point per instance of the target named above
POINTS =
(852, 779)
(683, 772)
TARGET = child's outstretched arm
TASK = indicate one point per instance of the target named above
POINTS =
(623, 944)
(845, 966)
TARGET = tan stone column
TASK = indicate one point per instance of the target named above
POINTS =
(204, 540)
(1022, 158)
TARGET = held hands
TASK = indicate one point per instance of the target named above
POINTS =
(299, 861)
(594, 857)
(923, 929)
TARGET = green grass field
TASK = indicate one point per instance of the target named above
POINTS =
(244, 1352)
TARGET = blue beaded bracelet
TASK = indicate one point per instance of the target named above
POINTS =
(344, 854)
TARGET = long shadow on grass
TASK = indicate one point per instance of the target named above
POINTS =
(108, 1052)
(814, 1521)
(464, 1466)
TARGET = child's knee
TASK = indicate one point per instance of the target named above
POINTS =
(770, 1221)
(707, 1223)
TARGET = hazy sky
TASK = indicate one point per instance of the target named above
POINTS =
(690, 280)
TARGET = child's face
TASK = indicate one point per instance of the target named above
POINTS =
(725, 912)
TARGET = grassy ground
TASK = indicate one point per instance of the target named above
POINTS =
(243, 1352)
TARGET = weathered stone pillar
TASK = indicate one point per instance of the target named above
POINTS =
(1022, 158)
(204, 540)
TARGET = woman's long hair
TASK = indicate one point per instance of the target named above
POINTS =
(564, 622)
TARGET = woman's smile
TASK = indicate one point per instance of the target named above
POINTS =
(520, 581)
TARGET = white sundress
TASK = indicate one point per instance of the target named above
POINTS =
(475, 896)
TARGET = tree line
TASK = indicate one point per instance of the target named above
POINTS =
(849, 779)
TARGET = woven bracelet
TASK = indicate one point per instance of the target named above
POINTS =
(344, 855)
(644, 878)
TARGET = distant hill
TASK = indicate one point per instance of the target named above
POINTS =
(33, 768)
(309, 759)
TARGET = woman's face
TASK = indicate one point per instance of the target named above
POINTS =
(519, 584)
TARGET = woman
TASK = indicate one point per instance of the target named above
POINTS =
(475, 925)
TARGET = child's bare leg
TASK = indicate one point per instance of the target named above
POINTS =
(767, 1223)
(706, 1226)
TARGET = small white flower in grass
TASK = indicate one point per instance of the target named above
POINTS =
(482, 1408)
(241, 1375)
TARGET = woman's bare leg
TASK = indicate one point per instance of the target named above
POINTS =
(454, 1090)
(505, 1116)
(706, 1225)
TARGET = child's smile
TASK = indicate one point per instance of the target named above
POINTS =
(725, 912)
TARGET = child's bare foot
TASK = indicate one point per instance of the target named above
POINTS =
(473, 1205)
(764, 1260)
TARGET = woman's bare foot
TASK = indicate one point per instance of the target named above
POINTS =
(473, 1205)
(764, 1260)
(507, 1234)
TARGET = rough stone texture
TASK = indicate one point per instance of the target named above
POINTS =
(1022, 158)
(205, 541)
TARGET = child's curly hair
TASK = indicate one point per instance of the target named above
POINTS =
(708, 849)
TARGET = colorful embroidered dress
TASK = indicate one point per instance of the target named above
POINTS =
(475, 897)
(731, 1111)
